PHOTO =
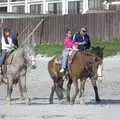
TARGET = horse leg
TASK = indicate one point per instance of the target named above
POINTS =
(82, 88)
(52, 94)
(23, 81)
(21, 90)
(68, 90)
(94, 84)
(75, 83)
(9, 89)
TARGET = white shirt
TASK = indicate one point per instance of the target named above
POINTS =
(5, 46)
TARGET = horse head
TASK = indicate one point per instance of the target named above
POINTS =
(98, 51)
(30, 56)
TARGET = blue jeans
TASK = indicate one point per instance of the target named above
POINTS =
(65, 58)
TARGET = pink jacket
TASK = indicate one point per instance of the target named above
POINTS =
(68, 43)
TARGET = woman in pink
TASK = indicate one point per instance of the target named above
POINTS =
(68, 45)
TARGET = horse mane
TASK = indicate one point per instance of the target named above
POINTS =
(88, 53)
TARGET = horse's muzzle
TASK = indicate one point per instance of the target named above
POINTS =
(33, 66)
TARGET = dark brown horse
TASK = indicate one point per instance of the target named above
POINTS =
(82, 68)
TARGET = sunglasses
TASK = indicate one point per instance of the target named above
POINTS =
(84, 31)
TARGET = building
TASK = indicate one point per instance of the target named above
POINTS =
(49, 6)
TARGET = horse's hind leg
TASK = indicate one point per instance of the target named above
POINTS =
(94, 84)
(82, 88)
(75, 83)
(68, 90)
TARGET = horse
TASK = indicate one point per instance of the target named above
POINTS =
(53, 69)
(83, 66)
(57, 86)
(17, 64)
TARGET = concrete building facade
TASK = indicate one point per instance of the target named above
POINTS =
(49, 6)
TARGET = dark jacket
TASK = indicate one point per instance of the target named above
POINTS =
(15, 39)
(84, 40)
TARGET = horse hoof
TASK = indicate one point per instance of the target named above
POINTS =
(98, 100)
(51, 102)
(27, 101)
(82, 102)
(22, 98)
(71, 102)
(61, 101)
(8, 99)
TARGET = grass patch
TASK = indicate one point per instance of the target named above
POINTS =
(110, 47)
(49, 49)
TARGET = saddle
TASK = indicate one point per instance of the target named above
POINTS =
(4, 62)
(59, 58)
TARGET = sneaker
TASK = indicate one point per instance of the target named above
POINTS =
(61, 70)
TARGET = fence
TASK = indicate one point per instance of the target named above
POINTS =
(103, 26)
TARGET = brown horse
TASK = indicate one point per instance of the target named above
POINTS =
(83, 66)
(86, 70)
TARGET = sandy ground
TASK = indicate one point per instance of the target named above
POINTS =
(39, 84)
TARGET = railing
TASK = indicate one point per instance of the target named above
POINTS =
(27, 35)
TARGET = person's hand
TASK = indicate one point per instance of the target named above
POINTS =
(75, 47)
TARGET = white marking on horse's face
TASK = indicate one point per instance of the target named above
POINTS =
(100, 72)
(33, 61)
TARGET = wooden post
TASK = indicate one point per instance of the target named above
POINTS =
(26, 40)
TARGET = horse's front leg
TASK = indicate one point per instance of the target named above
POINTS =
(81, 94)
(23, 81)
(94, 84)
(68, 90)
(75, 83)
(9, 89)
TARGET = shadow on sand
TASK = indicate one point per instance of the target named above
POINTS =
(105, 102)
(45, 101)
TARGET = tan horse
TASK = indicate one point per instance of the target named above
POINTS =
(81, 67)
(53, 69)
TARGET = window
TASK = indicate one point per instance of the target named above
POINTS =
(38, 8)
(3, 9)
(94, 3)
(18, 9)
(17, 0)
(55, 8)
(3, 0)
(75, 7)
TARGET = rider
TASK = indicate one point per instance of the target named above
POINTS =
(81, 39)
(15, 39)
(68, 45)
(6, 43)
